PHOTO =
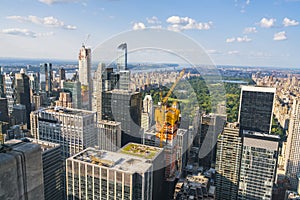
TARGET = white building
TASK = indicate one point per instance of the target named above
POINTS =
(74, 129)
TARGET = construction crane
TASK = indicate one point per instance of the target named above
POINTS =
(166, 117)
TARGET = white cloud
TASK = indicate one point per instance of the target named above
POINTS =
(185, 23)
(213, 51)
(46, 21)
(233, 52)
(138, 26)
(243, 39)
(153, 20)
(50, 2)
(230, 40)
(25, 33)
(238, 39)
(267, 23)
(280, 36)
(289, 22)
(247, 2)
(248, 30)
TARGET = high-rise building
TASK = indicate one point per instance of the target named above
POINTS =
(46, 78)
(52, 167)
(84, 63)
(124, 73)
(74, 129)
(109, 135)
(18, 116)
(293, 145)
(3, 110)
(147, 114)
(2, 94)
(62, 74)
(21, 172)
(258, 165)
(74, 88)
(127, 174)
(211, 126)
(22, 93)
(125, 107)
(229, 148)
(182, 150)
(256, 108)
(9, 90)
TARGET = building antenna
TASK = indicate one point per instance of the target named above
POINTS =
(86, 39)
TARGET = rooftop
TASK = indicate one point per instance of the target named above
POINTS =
(258, 89)
(140, 150)
(113, 160)
(45, 145)
(68, 111)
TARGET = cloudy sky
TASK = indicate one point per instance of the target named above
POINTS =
(232, 32)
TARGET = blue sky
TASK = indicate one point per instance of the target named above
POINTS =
(233, 32)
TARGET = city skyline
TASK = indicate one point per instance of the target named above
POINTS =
(232, 33)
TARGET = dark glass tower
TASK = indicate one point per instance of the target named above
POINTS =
(256, 108)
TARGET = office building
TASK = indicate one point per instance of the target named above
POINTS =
(36, 101)
(100, 174)
(229, 148)
(124, 73)
(52, 167)
(22, 93)
(293, 145)
(84, 63)
(182, 150)
(3, 110)
(64, 100)
(74, 129)
(18, 116)
(211, 126)
(109, 135)
(62, 74)
(21, 172)
(256, 108)
(125, 107)
(147, 114)
(258, 165)
(2, 94)
(9, 90)
(46, 78)
(74, 88)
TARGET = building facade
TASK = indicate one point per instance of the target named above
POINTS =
(256, 108)
(258, 165)
(109, 135)
(73, 129)
(228, 158)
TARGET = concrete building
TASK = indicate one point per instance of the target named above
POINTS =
(183, 146)
(147, 117)
(18, 115)
(100, 174)
(85, 63)
(9, 90)
(256, 108)
(74, 129)
(229, 148)
(21, 172)
(258, 165)
(109, 135)
(293, 145)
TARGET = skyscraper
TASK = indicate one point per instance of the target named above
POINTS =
(74, 88)
(109, 135)
(229, 148)
(258, 165)
(74, 129)
(256, 108)
(22, 93)
(84, 63)
(46, 78)
(124, 78)
(125, 107)
(21, 172)
(293, 145)
(3, 110)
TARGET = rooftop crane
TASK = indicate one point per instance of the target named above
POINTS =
(166, 117)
